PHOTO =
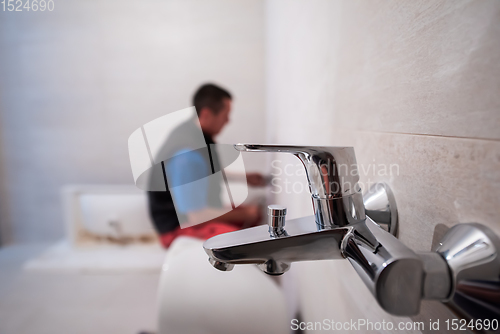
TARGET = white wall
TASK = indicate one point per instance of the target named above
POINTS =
(414, 83)
(76, 82)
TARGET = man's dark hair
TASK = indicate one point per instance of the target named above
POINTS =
(210, 96)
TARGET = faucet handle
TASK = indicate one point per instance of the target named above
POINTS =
(332, 172)
(333, 178)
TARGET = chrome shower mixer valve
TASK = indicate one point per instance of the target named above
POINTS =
(346, 225)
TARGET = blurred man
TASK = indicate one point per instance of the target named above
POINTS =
(192, 166)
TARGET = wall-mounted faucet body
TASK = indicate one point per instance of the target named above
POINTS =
(398, 277)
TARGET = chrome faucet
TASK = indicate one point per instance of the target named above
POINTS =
(333, 178)
(398, 277)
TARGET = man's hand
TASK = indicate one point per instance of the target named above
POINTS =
(256, 180)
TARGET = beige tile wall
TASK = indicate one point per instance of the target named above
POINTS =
(421, 67)
(413, 83)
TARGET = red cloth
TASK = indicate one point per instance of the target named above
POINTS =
(202, 231)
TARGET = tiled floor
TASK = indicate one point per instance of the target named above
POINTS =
(52, 303)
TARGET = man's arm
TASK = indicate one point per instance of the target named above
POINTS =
(188, 176)
(242, 216)
(252, 179)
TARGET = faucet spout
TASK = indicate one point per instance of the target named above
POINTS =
(273, 255)
(392, 272)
